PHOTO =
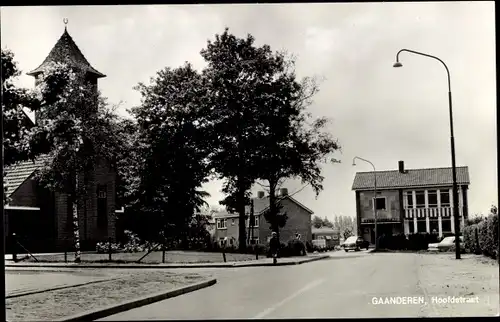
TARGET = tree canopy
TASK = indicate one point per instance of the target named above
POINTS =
(172, 132)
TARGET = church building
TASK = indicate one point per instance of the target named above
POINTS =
(42, 219)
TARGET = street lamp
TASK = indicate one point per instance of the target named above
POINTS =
(452, 141)
(374, 196)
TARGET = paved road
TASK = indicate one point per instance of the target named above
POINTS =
(342, 286)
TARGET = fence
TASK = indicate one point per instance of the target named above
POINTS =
(150, 253)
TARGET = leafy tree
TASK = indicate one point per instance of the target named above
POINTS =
(347, 233)
(327, 223)
(75, 129)
(290, 143)
(16, 126)
(317, 222)
(173, 128)
(262, 129)
(234, 69)
(345, 225)
(128, 162)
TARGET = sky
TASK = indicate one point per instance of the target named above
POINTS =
(377, 112)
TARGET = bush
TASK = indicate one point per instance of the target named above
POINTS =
(488, 236)
(420, 241)
(296, 248)
(483, 237)
(103, 247)
(492, 223)
(309, 247)
(471, 239)
(132, 244)
(393, 242)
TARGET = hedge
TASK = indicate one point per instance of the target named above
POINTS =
(418, 241)
(482, 237)
(471, 239)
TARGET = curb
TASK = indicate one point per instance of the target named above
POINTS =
(100, 313)
(298, 262)
(138, 266)
(61, 287)
(167, 266)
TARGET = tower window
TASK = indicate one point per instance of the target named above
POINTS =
(102, 207)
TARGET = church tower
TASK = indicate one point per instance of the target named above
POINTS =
(97, 213)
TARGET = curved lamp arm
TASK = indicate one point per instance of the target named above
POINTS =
(363, 160)
(426, 55)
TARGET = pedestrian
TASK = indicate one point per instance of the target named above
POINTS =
(274, 245)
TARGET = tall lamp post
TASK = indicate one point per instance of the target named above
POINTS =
(374, 196)
(452, 141)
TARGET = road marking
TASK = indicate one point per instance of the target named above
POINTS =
(302, 290)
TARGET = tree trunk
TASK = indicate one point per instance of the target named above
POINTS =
(240, 204)
(76, 226)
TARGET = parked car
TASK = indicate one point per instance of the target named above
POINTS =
(446, 244)
(355, 243)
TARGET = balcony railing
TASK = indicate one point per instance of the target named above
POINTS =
(428, 212)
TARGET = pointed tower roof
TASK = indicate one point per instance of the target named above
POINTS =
(66, 51)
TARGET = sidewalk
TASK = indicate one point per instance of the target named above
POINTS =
(252, 263)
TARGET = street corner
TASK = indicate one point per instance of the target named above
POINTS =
(26, 282)
(101, 313)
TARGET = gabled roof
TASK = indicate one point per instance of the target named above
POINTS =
(66, 51)
(17, 174)
(412, 178)
(260, 204)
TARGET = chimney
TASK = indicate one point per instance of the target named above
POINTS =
(260, 194)
(283, 192)
(402, 167)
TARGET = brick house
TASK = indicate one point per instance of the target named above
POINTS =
(299, 221)
(42, 219)
(410, 201)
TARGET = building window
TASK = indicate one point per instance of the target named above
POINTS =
(432, 199)
(221, 241)
(102, 207)
(445, 198)
(433, 225)
(420, 199)
(232, 222)
(221, 224)
(255, 222)
(421, 226)
(254, 241)
(380, 203)
(411, 226)
(446, 225)
(231, 242)
(409, 199)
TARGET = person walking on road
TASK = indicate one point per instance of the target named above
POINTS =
(274, 245)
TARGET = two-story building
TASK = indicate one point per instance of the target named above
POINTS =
(409, 201)
(298, 222)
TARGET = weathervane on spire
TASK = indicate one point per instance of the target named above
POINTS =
(65, 20)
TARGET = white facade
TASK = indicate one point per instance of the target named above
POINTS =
(433, 209)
